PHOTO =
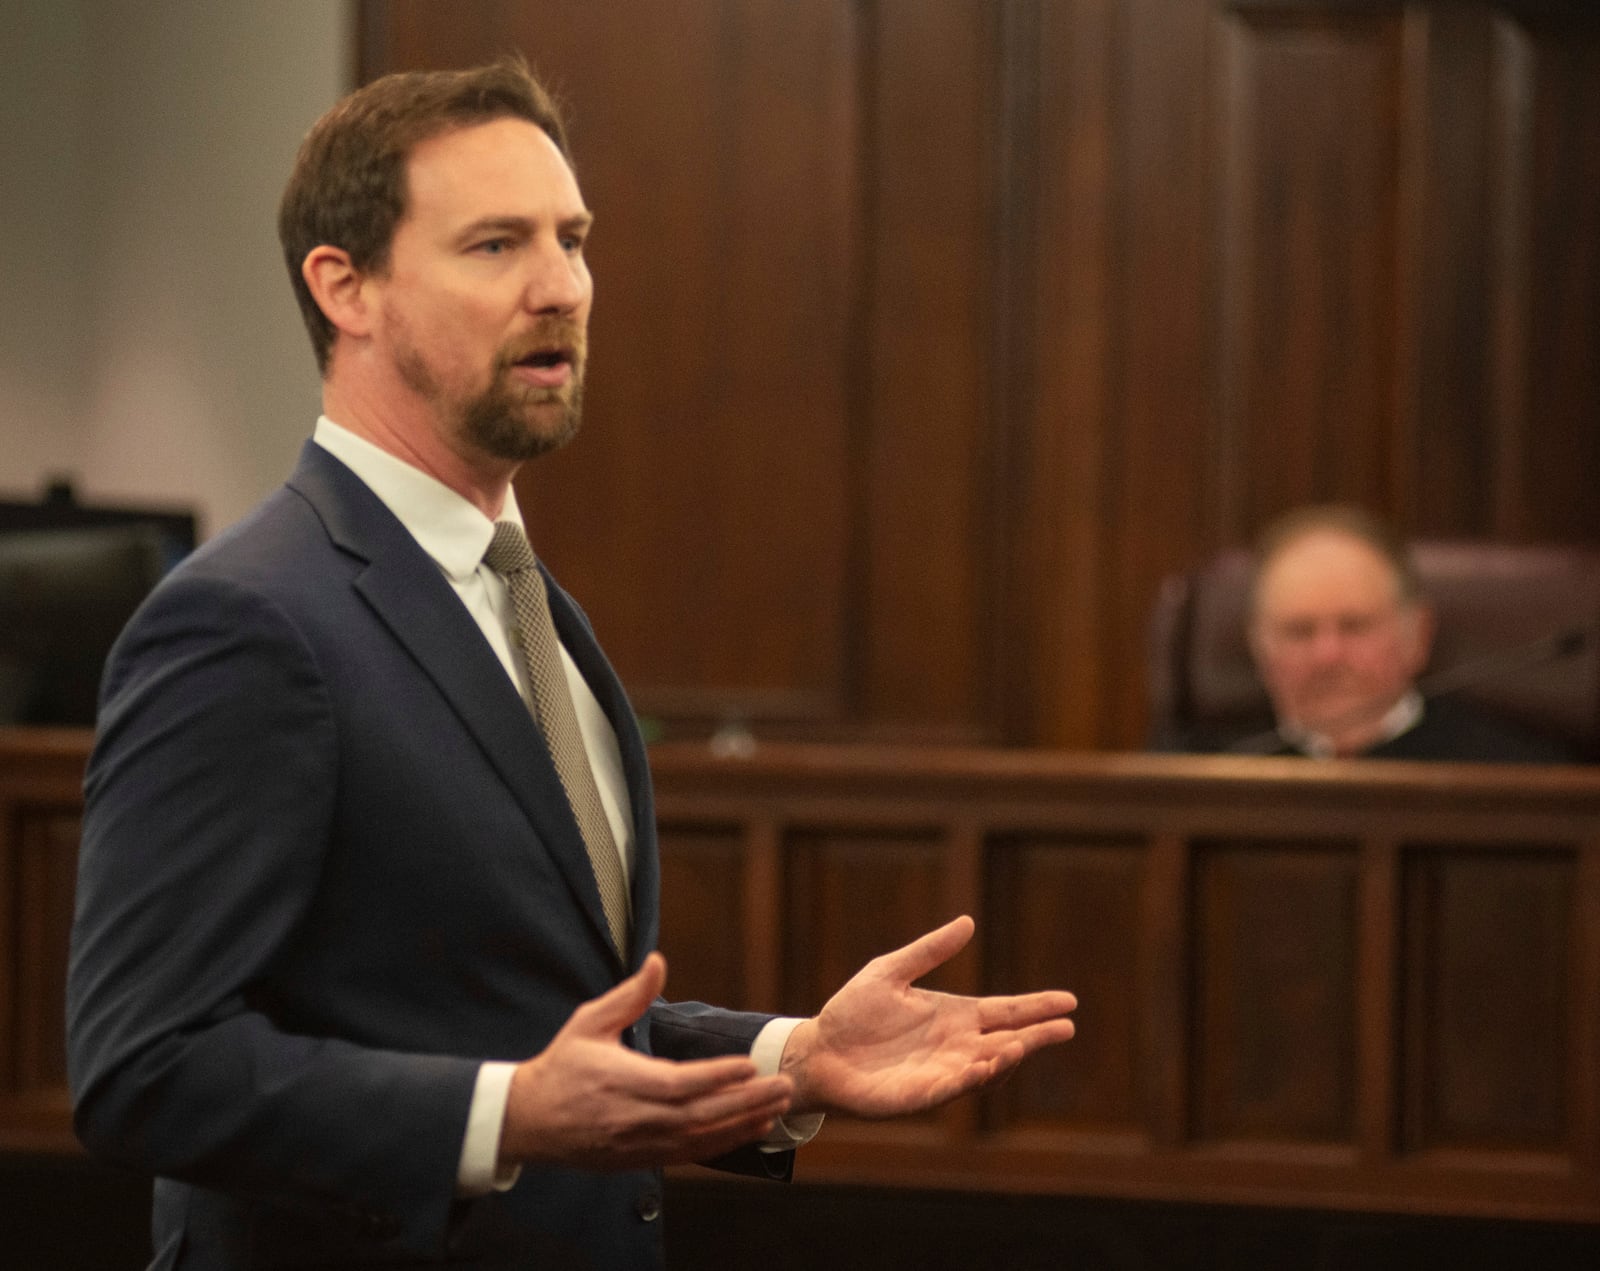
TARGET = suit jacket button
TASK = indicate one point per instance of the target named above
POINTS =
(648, 1206)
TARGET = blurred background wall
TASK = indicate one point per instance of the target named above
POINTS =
(150, 349)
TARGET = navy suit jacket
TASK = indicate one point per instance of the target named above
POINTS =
(327, 870)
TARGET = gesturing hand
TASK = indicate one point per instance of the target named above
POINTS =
(881, 1047)
(589, 1101)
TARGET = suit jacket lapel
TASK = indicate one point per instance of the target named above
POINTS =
(404, 588)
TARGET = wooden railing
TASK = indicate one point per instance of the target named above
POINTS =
(41, 805)
(1370, 986)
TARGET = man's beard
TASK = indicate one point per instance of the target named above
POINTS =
(500, 421)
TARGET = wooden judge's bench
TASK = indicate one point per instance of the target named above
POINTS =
(1365, 988)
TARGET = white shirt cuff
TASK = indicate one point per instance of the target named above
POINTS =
(478, 1174)
(767, 1053)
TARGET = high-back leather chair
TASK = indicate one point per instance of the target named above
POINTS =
(1518, 633)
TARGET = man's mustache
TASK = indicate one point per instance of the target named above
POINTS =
(550, 333)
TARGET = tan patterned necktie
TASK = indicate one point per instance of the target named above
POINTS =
(511, 557)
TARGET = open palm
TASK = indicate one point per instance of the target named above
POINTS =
(882, 1047)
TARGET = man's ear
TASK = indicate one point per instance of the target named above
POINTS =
(336, 285)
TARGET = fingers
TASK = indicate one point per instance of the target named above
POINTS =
(651, 1131)
(1000, 1053)
(1023, 1009)
(647, 1077)
(596, 1104)
(722, 1121)
(911, 962)
(713, 1139)
(759, 1098)
(1036, 1037)
(622, 1006)
(684, 1109)
(1028, 1022)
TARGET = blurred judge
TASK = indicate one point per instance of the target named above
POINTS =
(1340, 631)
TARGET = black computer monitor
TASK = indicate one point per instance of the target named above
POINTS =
(59, 509)
(65, 595)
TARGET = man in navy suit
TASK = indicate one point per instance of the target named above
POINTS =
(342, 975)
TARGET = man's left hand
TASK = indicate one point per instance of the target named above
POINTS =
(882, 1048)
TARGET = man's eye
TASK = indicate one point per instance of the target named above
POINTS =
(572, 244)
(494, 246)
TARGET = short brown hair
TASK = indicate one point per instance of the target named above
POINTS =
(1339, 518)
(348, 187)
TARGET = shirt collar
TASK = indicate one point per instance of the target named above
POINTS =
(1403, 716)
(449, 528)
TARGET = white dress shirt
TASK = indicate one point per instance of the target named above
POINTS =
(455, 534)
(1402, 717)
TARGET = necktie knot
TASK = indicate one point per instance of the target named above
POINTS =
(509, 551)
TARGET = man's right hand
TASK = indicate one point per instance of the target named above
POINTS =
(587, 1100)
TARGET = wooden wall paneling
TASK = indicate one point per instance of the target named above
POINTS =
(43, 872)
(1545, 271)
(1377, 998)
(851, 894)
(40, 816)
(46, 876)
(1509, 136)
(763, 913)
(1167, 1043)
(1411, 191)
(1445, 459)
(1073, 903)
(1160, 434)
(1585, 1023)
(782, 511)
(405, 35)
(1489, 970)
(1549, 261)
(928, 636)
(1309, 279)
(10, 948)
(703, 872)
(1292, 902)
(1275, 1065)
(1064, 525)
(970, 971)
(1014, 361)
(965, 861)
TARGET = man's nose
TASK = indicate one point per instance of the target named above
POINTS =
(557, 280)
(1327, 646)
